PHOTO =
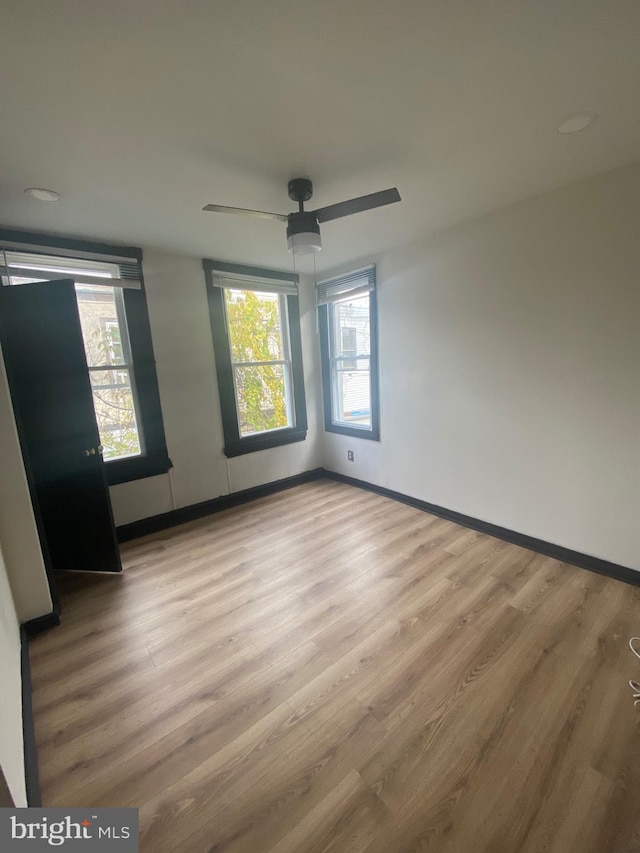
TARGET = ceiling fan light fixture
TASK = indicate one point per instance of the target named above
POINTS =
(303, 234)
(304, 244)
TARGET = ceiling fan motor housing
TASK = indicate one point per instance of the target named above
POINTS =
(300, 189)
(303, 233)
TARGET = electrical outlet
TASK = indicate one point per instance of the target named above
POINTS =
(350, 455)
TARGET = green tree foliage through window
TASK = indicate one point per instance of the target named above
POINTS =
(260, 366)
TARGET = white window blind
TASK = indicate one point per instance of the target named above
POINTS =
(19, 264)
(232, 281)
(350, 284)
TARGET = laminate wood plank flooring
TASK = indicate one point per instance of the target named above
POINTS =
(325, 669)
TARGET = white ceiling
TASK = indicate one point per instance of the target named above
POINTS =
(141, 111)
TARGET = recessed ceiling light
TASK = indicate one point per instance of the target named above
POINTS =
(577, 122)
(43, 195)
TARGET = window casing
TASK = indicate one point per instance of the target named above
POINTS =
(255, 323)
(115, 329)
(347, 321)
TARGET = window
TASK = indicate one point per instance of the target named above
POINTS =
(255, 323)
(348, 346)
(106, 343)
(117, 341)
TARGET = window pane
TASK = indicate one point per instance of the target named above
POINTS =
(255, 326)
(262, 398)
(99, 322)
(115, 413)
(351, 397)
(351, 333)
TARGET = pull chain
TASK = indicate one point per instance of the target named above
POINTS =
(315, 277)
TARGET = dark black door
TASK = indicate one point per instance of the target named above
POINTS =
(51, 394)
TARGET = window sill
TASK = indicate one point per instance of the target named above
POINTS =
(264, 441)
(136, 468)
(355, 432)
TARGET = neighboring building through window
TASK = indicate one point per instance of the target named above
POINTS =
(125, 396)
(256, 334)
(348, 345)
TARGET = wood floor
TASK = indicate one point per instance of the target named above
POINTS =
(329, 670)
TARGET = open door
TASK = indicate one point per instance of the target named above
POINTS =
(51, 394)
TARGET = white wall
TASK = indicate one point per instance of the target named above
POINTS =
(183, 347)
(18, 532)
(510, 369)
(11, 746)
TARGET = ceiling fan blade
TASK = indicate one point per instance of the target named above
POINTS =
(356, 205)
(260, 214)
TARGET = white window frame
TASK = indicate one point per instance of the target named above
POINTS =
(285, 362)
(126, 366)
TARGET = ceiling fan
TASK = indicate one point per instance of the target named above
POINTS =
(303, 226)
